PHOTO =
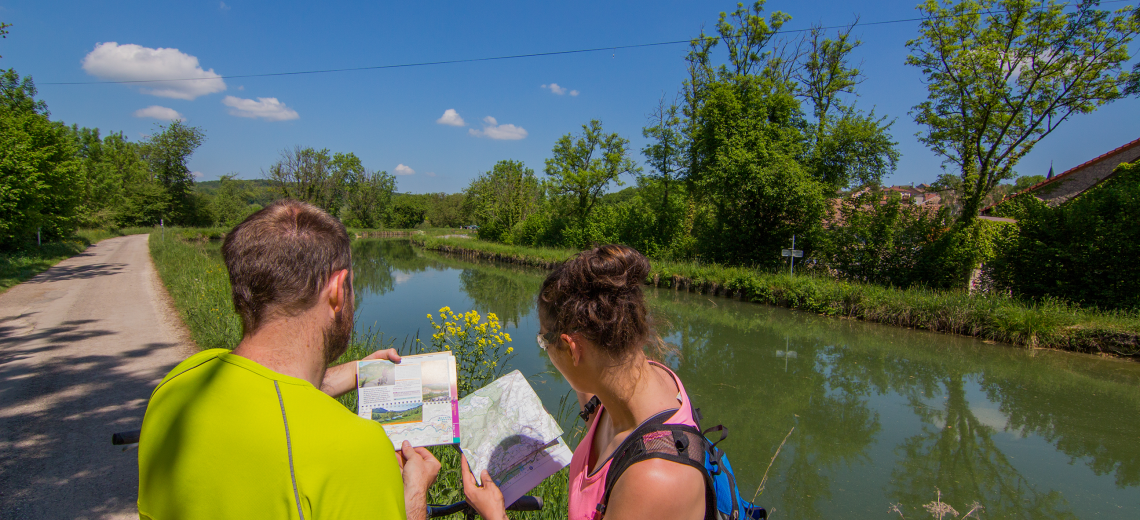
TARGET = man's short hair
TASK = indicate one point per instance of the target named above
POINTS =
(280, 259)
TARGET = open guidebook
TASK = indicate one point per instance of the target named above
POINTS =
(506, 430)
(415, 400)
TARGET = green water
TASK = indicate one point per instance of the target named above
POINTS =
(882, 415)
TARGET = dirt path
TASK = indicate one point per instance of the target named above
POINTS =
(81, 347)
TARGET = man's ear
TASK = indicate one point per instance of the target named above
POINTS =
(339, 290)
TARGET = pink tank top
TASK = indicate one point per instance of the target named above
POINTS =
(586, 490)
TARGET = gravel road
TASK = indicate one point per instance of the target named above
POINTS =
(81, 347)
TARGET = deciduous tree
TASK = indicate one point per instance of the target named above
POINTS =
(584, 166)
(1003, 74)
(40, 178)
(167, 153)
(503, 197)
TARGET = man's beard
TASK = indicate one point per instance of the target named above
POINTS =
(339, 333)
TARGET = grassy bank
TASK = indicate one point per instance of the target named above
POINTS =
(191, 268)
(1049, 324)
(22, 264)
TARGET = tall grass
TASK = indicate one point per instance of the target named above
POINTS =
(1043, 324)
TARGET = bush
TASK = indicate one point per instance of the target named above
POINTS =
(1084, 251)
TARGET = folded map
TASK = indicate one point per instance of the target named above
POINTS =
(507, 432)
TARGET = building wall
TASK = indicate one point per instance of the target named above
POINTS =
(1076, 182)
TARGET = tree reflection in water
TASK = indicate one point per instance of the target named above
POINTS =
(956, 453)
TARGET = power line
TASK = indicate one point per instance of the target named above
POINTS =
(494, 58)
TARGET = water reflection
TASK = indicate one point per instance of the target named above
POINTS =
(882, 415)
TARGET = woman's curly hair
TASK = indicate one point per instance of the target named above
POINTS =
(597, 294)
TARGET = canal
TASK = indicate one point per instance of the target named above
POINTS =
(883, 417)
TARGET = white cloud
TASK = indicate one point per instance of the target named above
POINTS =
(222, 6)
(492, 129)
(555, 88)
(130, 62)
(197, 175)
(241, 87)
(430, 174)
(401, 169)
(451, 118)
(161, 113)
(268, 109)
(573, 92)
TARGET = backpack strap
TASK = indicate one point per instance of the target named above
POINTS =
(654, 439)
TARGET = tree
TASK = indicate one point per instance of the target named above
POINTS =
(447, 210)
(408, 211)
(308, 175)
(749, 142)
(40, 178)
(848, 146)
(583, 167)
(503, 197)
(1003, 74)
(167, 153)
(230, 204)
(665, 154)
(368, 193)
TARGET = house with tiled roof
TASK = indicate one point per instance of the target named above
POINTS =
(1062, 188)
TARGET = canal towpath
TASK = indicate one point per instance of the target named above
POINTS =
(81, 347)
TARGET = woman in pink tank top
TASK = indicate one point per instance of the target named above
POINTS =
(594, 325)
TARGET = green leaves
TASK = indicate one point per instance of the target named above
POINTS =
(582, 167)
(503, 197)
(1003, 74)
(40, 177)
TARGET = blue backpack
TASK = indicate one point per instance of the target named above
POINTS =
(685, 445)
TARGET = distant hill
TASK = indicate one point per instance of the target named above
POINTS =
(260, 191)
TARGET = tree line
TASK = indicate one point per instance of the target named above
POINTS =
(765, 141)
(56, 178)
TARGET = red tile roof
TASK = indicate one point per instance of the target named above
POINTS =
(1056, 178)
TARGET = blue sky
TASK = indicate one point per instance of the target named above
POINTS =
(390, 117)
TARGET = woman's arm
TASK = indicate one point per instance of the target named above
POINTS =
(487, 500)
(658, 488)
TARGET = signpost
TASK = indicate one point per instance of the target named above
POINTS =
(786, 354)
(794, 254)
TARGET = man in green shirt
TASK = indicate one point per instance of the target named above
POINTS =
(256, 433)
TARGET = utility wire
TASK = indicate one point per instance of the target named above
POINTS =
(494, 58)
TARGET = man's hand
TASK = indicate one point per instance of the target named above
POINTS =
(341, 379)
(418, 467)
(486, 499)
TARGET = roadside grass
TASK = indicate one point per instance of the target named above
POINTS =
(1045, 324)
(191, 268)
(23, 263)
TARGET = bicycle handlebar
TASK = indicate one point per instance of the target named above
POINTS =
(527, 503)
(121, 438)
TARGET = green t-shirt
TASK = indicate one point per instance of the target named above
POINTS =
(225, 437)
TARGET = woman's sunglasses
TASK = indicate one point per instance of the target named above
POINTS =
(545, 341)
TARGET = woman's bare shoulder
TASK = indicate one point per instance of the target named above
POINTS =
(658, 488)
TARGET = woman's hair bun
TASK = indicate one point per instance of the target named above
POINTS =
(598, 293)
(614, 267)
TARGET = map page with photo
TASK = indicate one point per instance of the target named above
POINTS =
(508, 433)
(415, 400)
